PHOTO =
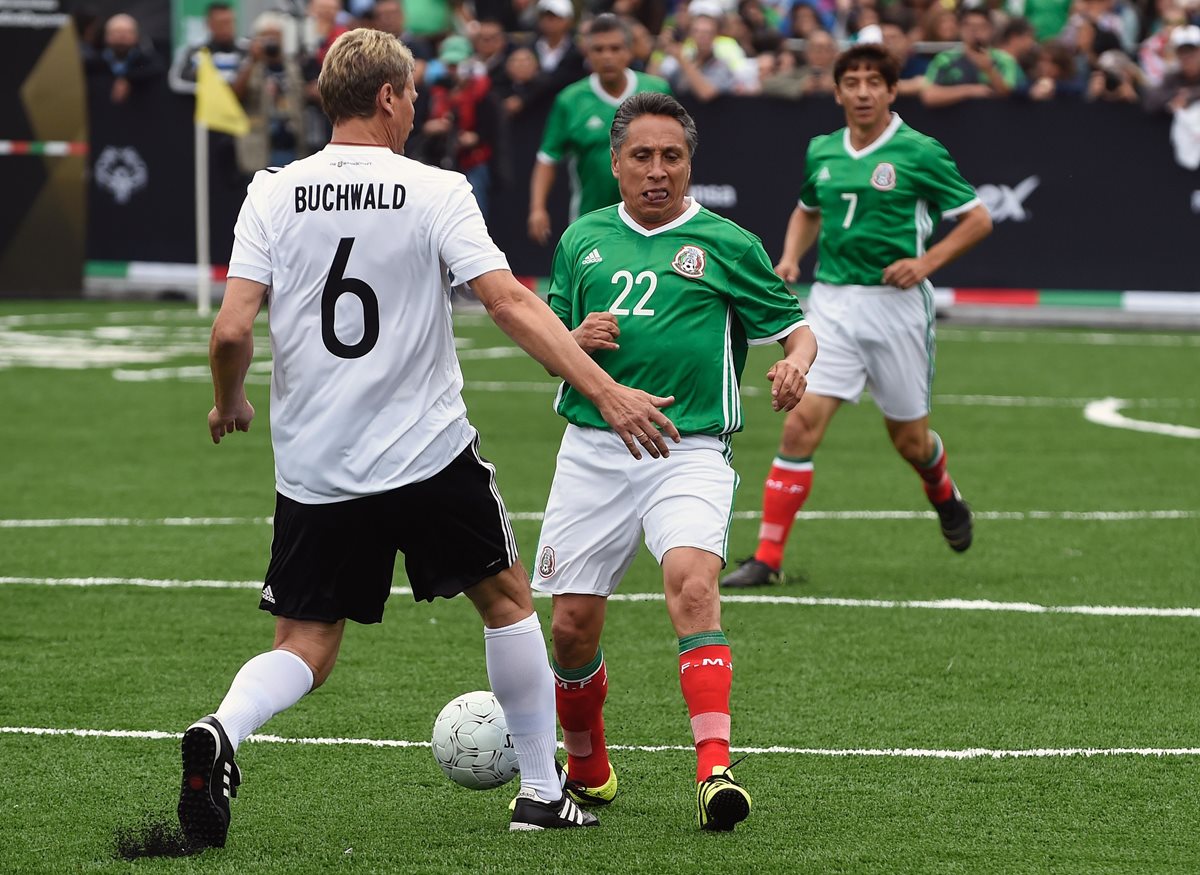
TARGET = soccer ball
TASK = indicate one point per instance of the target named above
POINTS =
(471, 742)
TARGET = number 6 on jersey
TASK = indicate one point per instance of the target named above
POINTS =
(336, 285)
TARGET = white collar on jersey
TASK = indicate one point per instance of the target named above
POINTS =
(691, 210)
(630, 88)
(880, 141)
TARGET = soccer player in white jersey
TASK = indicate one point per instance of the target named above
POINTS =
(872, 194)
(373, 451)
(666, 296)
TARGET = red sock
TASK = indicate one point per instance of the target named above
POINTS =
(580, 702)
(706, 676)
(938, 485)
(784, 493)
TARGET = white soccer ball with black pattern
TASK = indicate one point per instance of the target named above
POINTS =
(471, 742)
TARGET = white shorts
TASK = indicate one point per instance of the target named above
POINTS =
(602, 499)
(876, 337)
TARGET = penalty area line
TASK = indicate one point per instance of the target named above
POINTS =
(727, 598)
(971, 753)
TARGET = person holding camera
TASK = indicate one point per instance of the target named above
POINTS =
(461, 120)
(270, 85)
(976, 70)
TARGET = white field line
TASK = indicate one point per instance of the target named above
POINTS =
(1100, 516)
(951, 335)
(116, 522)
(638, 597)
(970, 753)
(1069, 338)
(1107, 412)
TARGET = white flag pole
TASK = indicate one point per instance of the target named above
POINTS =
(203, 268)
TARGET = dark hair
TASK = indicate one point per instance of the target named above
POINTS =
(898, 16)
(967, 11)
(869, 56)
(219, 6)
(1015, 27)
(651, 103)
(609, 23)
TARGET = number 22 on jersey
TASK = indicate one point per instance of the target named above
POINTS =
(618, 307)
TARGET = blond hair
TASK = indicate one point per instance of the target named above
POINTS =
(356, 66)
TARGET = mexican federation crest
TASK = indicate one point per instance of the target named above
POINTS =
(689, 262)
(883, 177)
(546, 564)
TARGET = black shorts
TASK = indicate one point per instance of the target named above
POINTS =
(335, 561)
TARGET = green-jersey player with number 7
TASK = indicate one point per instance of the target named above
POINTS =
(872, 194)
(666, 296)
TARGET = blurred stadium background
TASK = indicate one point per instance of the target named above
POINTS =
(1028, 706)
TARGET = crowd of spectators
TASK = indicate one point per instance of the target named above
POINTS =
(485, 63)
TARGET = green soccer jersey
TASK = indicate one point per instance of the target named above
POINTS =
(578, 128)
(880, 204)
(689, 298)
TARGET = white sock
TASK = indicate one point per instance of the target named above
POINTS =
(520, 675)
(269, 683)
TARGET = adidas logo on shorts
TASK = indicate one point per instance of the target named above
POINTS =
(593, 257)
(267, 595)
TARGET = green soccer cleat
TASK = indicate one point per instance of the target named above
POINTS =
(753, 572)
(721, 802)
(601, 795)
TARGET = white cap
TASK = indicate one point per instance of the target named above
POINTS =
(872, 33)
(561, 8)
(1188, 35)
(709, 8)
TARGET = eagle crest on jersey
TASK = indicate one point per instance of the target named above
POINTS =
(546, 562)
(689, 262)
(884, 177)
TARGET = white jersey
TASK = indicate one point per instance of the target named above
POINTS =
(355, 243)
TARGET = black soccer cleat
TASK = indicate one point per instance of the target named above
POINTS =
(210, 777)
(721, 802)
(954, 514)
(531, 814)
(753, 572)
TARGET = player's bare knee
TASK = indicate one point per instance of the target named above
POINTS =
(695, 606)
(799, 438)
(504, 598)
(574, 641)
(913, 446)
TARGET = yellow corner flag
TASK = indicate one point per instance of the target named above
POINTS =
(217, 107)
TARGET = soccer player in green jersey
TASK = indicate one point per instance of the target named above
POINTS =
(872, 194)
(666, 296)
(579, 123)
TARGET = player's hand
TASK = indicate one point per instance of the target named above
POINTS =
(905, 273)
(223, 422)
(597, 331)
(789, 271)
(788, 383)
(539, 226)
(635, 417)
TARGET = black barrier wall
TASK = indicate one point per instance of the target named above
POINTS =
(141, 192)
(1084, 196)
